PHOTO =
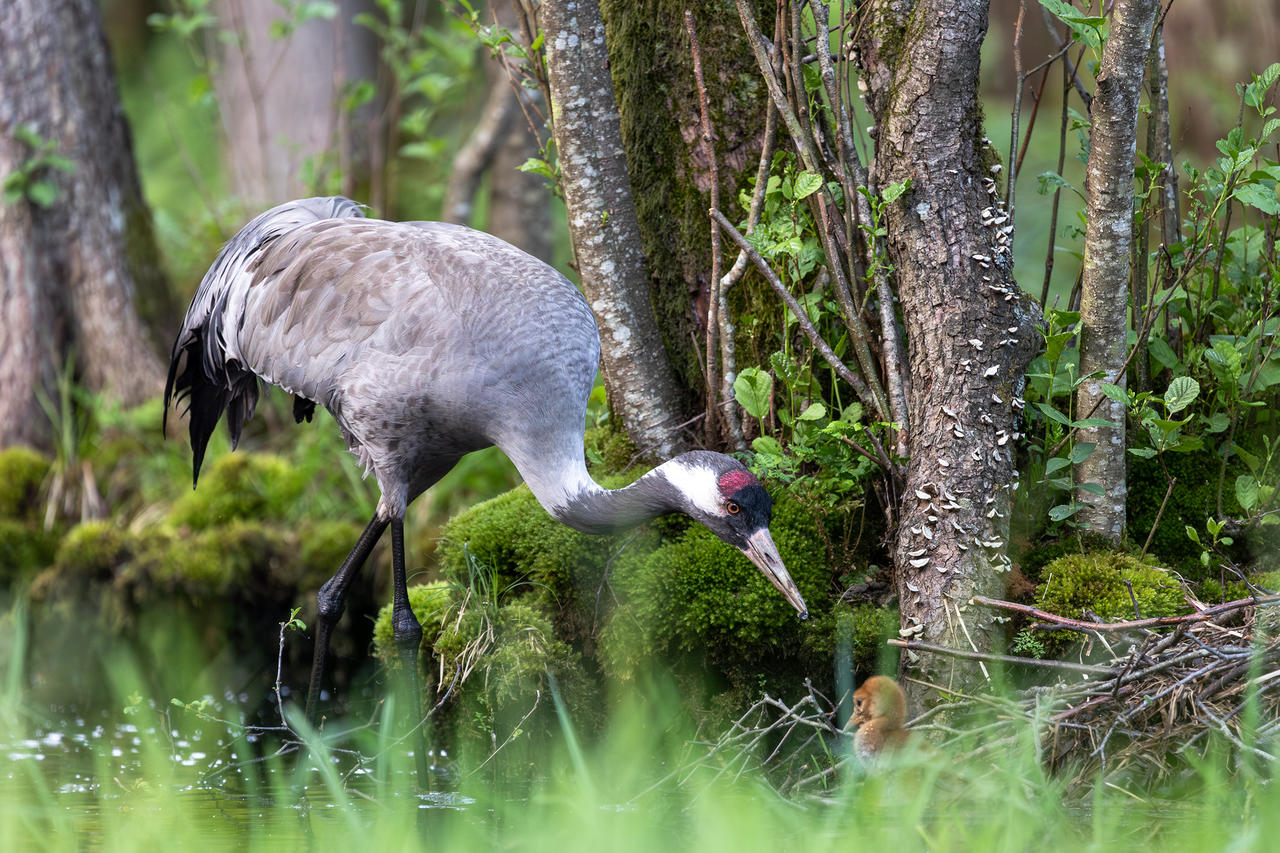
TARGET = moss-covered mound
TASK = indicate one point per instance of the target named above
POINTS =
(22, 471)
(224, 589)
(1100, 582)
(251, 486)
(669, 594)
(501, 664)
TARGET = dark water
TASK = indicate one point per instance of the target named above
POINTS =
(166, 773)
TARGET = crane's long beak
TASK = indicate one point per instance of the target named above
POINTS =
(761, 551)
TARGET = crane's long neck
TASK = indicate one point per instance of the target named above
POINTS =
(565, 489)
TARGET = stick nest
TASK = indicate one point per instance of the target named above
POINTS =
(1165, 692)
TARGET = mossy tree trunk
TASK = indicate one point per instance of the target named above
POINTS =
(653, 74)
(1104, 294)
(971, 332)
(602, 224)
(79, 270)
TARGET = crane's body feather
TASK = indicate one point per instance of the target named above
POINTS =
(424, 340)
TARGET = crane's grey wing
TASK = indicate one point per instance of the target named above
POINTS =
(203, 370)
(425, 340)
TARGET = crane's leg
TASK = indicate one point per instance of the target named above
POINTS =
(332, 599)
(407, 632)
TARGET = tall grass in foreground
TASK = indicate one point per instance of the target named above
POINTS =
(147, 775)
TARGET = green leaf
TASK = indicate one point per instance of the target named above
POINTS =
(1088, 423)
(1116, 393)
(1091, 488)
(753, 390)
(1247, 490)
(1052, 182)
(1056, 343)
(1081, 451)
(894, 191)
(1258, 195)
(538, 167)
(1256, 92)
(1142, 452)
(42, 193)
(1163, 353)
(1192, 534)
(1086, 29)
(1181, 393)
(1063, 511)
(806, 184)
(814, 412)
(1053, 414)
(1218, 422)
(767, 444)
(1057, 463)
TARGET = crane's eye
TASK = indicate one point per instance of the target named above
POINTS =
(731, 508)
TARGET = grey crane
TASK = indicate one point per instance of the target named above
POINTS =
(427, 341)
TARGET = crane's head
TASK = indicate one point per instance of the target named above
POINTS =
(723, 495)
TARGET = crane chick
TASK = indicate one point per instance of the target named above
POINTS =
(879, 712)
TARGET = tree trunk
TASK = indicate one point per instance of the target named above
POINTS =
(500, 142)
(1105, 277)
(971, 332)
(652, 69)
(280, 99)
(77, 272)
(602, 224)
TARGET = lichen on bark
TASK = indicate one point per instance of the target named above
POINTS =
(1104, 283)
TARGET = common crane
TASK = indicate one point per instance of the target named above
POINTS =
(427, 341)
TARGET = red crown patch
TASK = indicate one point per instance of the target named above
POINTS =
(732, 481)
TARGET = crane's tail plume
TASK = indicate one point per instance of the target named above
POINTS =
(205, 369)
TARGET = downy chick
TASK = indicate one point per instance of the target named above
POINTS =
(879, 710)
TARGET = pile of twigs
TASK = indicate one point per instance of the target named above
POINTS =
(1167, 686)
(1161, 692)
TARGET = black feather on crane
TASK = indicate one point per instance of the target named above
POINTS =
(427, 341)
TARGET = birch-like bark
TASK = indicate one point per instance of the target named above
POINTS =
(970, 331)
(1108, 240)
(75, 275)
(281, 96)
(603, 225)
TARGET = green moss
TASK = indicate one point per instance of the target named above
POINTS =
(24, 547)
(659, 116)
(1033, 561)
(698, 598)
(251, 486)
(673, 592)
(22, 470)
(1212, 590)
(511, 546)
(613, 447)
(500, 665)
(93, 549)
(869, 627)
(1096, 581)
